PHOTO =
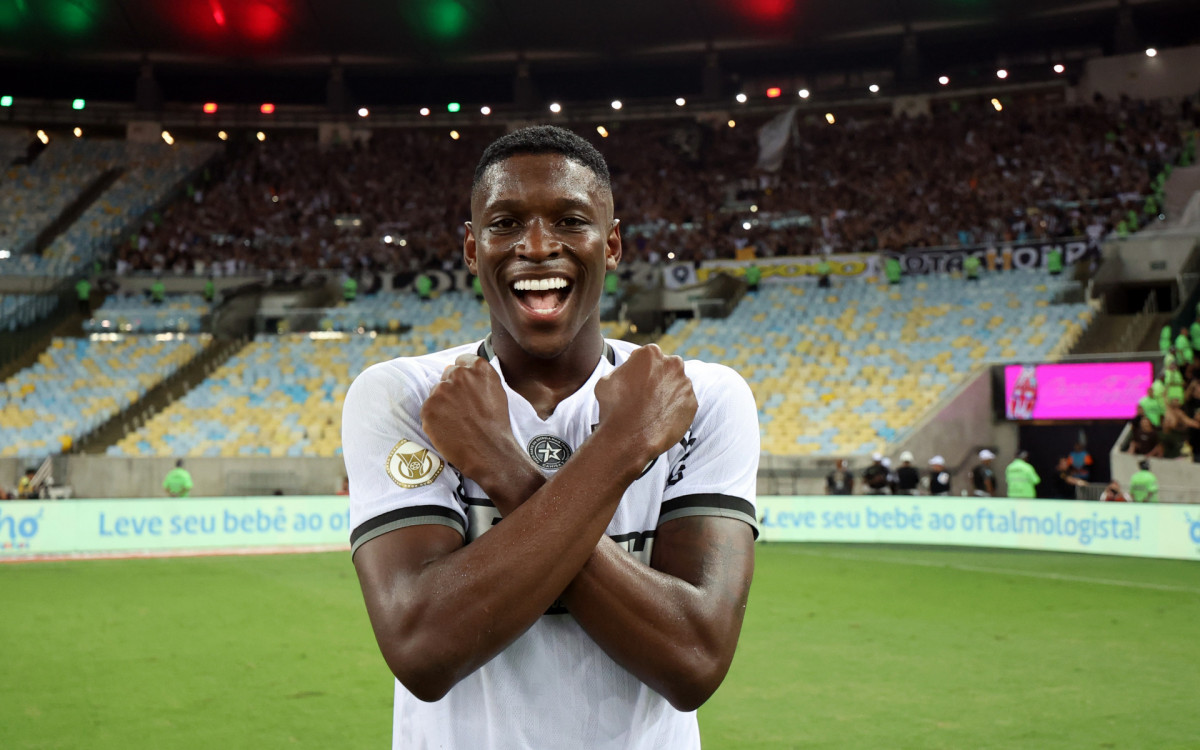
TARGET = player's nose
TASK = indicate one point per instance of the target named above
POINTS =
(539, 243)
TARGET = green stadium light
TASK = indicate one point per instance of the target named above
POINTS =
(5, 101)
(453, 107)
(78, 104)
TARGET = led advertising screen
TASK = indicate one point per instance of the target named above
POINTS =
(1097, 390)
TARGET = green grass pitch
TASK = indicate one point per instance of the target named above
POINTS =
(843, 647)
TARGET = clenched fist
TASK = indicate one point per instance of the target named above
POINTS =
(649, 400)
(466, 417)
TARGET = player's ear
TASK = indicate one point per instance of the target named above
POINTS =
(469, 249)
(612, 246)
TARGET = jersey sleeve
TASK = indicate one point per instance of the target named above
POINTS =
(716, 473)
(396, 478)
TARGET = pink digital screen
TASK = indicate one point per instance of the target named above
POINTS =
(1102, 390)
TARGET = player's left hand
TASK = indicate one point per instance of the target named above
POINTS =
(466, 418)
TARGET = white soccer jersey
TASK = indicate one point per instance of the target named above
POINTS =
(553, 687)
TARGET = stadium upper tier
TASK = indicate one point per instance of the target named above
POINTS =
(78, 384)
(34, 196)
(136, 314)
(13, 144)
(1033, 171)
(845, 371)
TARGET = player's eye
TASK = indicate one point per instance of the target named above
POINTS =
(506, 222)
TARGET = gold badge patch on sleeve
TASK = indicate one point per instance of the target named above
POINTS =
(411, 466)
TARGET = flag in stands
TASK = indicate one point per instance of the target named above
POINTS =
(773, 140)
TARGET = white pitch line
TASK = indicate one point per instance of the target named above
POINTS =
(1003, 571)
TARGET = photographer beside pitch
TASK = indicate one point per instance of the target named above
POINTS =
(606, 606)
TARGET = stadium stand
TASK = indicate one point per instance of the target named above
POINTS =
(150, 171)
(845, 371)
(180, 313)
(78, 384)
(13, 143)
(20, 310)
(283, 395)
(1036, 172)
(40, 192)
(35, 195)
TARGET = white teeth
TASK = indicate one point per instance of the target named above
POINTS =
(540, 285)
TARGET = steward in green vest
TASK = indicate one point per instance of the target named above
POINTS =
(349, 289)
(1021, 477)
(753, 276)
(1151, 407)
(158, 292)
(823, 271)
(1183, 349)
(477, 288)
(1143, 486)
(424, 287)
(1164, 339)
(1173, 379)
(83, 289)
(1054, 262)
(178, 482)
(612, 284)
(1195, 333)
(210, 290)
(971, 266)
(891, 269)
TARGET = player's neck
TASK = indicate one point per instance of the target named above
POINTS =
(546, 382)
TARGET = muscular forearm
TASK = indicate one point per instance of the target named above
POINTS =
(462, 608)
(676, 636)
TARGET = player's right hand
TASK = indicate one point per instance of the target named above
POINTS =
(466, 418)
(649, 400)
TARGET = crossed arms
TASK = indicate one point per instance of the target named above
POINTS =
(441, 609)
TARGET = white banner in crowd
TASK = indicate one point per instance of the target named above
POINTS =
(1024, 255)
(775, 270)
(676, 275)
(1135, 529)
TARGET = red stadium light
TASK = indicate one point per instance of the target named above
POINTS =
(218, 13)
(210, 108)
(774, 92)
(267, 108)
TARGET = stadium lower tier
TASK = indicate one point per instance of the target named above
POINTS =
(834, 371)
(847, 370)
(79, 384)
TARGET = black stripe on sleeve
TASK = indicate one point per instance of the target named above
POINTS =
(709, 504)
(401, 517)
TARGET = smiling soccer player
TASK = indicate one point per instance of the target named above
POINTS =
(607, 605)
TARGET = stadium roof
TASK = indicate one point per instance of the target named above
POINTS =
(638, 46)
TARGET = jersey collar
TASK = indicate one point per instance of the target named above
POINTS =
(486, 351)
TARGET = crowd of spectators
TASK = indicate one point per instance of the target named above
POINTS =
(687, 188)
(1167, 424)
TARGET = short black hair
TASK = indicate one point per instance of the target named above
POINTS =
(544, 139)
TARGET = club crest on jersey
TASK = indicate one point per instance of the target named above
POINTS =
(548, 451)
(411, 466)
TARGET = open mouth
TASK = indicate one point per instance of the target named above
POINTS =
(543, 297)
